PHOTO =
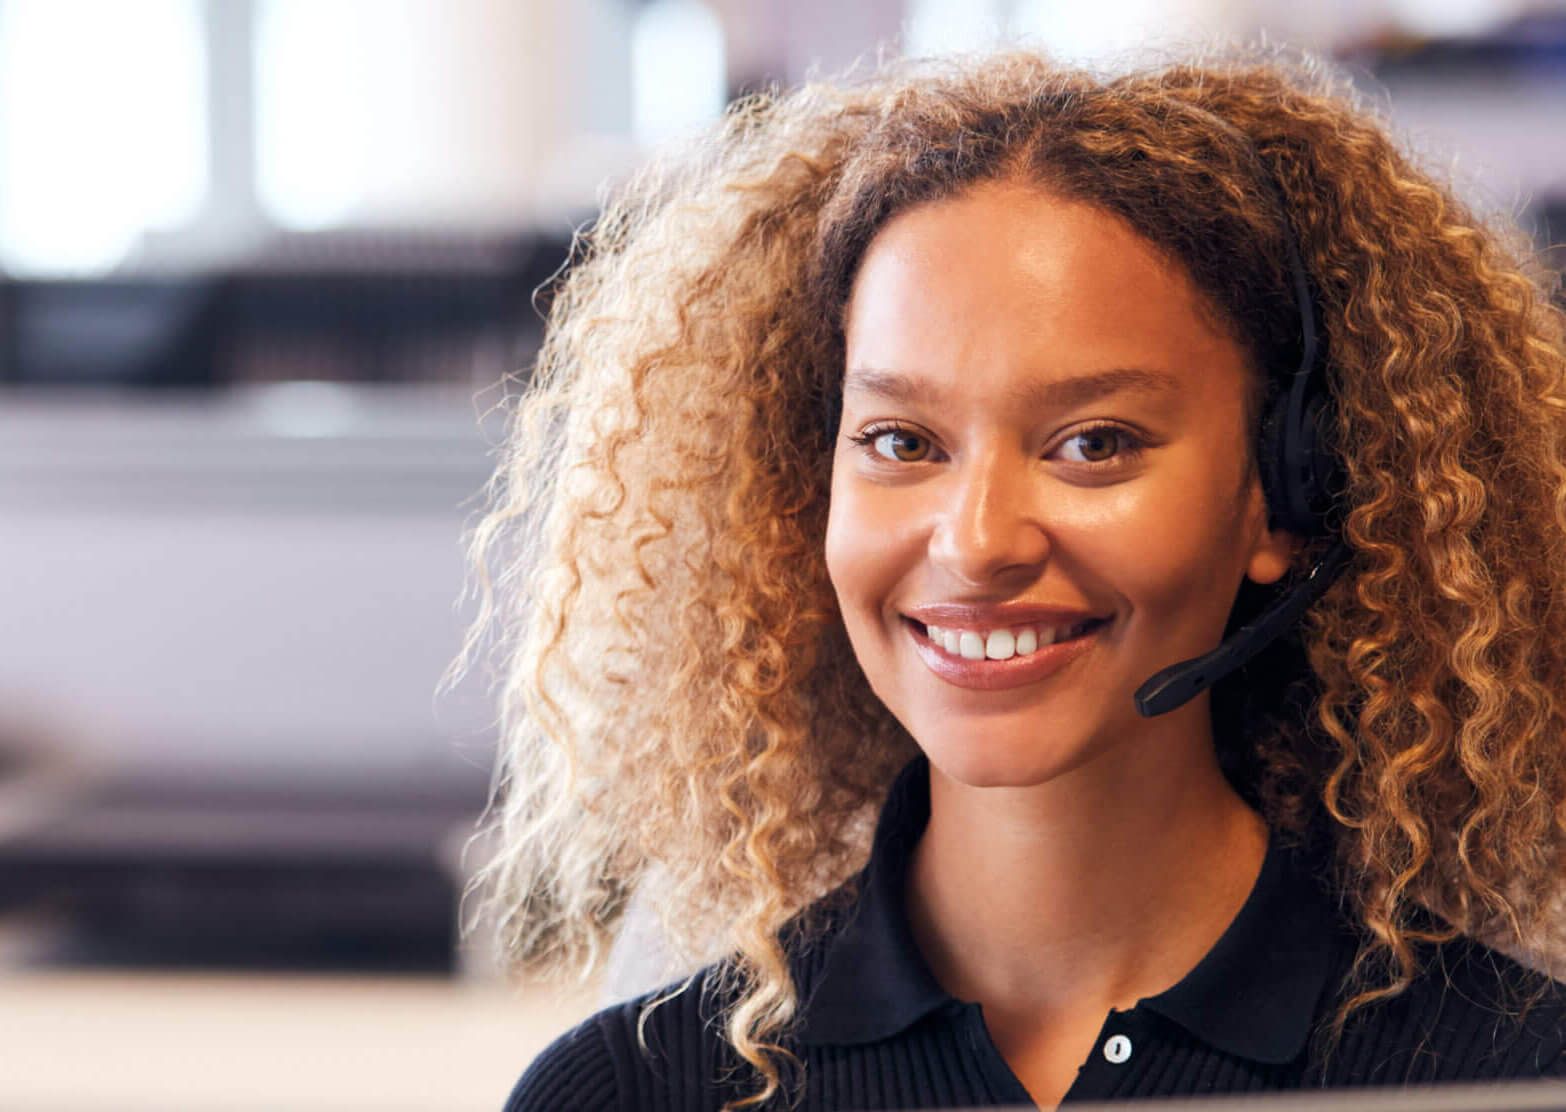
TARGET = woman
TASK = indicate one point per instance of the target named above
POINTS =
(914, 424)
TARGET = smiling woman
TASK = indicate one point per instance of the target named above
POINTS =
(1058, 330)
(1007, 305)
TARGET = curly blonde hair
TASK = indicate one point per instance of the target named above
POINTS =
(681, 711)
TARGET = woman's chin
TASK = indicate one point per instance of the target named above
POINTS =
(992, 763)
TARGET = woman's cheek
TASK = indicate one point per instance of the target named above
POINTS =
(850, 554)
(1144, 538)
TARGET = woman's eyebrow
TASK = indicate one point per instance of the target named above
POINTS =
(1061, 393)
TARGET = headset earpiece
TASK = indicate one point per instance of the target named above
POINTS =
(1301, 475)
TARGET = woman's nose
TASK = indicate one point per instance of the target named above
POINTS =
(989, 525)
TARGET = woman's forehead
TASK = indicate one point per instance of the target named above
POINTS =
(1017, 288)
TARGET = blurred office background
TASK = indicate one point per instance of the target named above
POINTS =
(264, 266)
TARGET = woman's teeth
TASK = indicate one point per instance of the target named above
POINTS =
(1003, 644)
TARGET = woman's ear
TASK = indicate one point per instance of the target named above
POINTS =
(1272, 555)
(1272, 550)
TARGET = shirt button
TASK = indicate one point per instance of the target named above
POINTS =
(1117, 1049)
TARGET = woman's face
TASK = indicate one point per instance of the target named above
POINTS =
(1039, 429)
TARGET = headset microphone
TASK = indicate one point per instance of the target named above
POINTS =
(1179, 683)
(1301, 477)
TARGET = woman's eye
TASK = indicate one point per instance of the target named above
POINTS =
(1102, 443)
(901, 445)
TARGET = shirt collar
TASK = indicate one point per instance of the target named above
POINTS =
(1254, 994)
(874, 981)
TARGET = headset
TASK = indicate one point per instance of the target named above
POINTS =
(1302, 479)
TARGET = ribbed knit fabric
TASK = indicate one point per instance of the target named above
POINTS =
(877, 1032)
(948, 1061)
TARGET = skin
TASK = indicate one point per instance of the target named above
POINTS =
(1078, 856)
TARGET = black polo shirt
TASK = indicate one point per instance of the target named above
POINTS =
(876, 1031)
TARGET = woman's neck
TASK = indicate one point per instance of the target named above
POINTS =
(1099, 888)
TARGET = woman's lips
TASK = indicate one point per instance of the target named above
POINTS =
(997, 675)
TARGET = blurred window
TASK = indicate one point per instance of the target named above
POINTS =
(1454, 17)
(1094, 33)
(103, 128)
(677, 69)
(952, 26)
(313, 103)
